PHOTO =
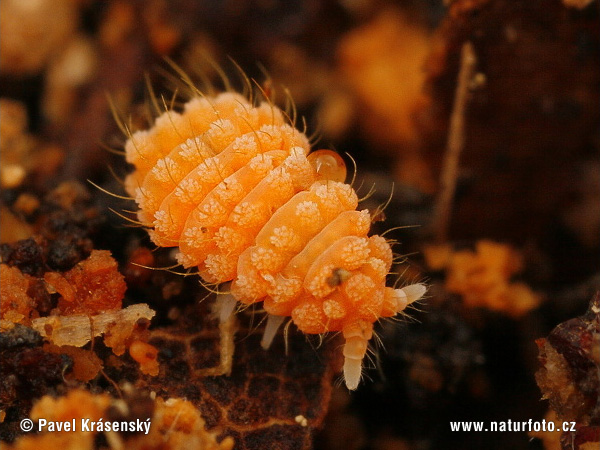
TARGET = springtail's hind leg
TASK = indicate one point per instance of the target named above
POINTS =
(357, 340)
(273, 324)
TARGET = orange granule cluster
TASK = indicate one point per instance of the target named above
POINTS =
(91, 287)
(179, 423)
(374, 59)
(483, 277)
(90, 305)
(146, 355)
(16, 305)
(77, 404)
(233, 186)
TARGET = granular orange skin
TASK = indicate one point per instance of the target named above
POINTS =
(15, 305)
(232, 186)
(91, 287)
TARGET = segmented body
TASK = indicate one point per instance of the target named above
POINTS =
(234, 187)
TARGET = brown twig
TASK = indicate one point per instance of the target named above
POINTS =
(456, 141)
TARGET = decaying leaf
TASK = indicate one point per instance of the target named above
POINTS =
(78, 330)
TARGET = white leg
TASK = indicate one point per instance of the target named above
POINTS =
(224, 306)
(273, 324)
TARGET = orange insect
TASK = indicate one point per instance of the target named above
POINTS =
(233, 184)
